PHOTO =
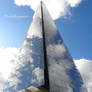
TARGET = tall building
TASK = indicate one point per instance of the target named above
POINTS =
(44, 60)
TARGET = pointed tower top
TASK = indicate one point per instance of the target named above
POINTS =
(44, 49)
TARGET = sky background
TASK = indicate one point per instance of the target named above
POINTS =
(75, 28)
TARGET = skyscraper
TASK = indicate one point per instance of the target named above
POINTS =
(44, 59)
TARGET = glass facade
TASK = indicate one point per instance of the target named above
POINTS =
(28, 70)
(63, 75)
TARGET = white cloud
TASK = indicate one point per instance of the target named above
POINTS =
(38, 73)
(85, 68)
(56, 50)
(57, 8)
(60, 62)
(74, 3)
(7, 57)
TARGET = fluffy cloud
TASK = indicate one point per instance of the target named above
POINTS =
(74, 3)
(57, 8)
(7, 56)
(38, 73)
(85, 68)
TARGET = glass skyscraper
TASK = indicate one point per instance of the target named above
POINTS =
(44, 60)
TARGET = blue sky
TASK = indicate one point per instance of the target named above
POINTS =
(12, 30)
(76, 29)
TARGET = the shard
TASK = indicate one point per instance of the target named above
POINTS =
(44, 59)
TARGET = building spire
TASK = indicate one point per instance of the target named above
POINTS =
(46, 73)
(44, 45)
